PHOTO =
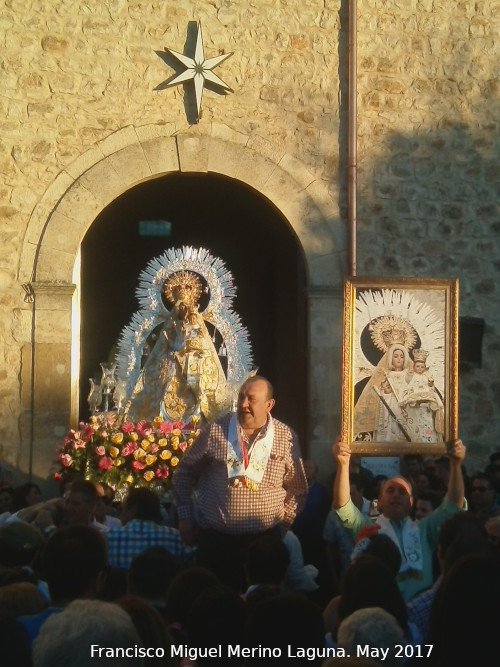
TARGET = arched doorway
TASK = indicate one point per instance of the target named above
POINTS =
(235, 223)
(131, 157)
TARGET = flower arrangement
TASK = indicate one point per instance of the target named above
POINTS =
(105, 450)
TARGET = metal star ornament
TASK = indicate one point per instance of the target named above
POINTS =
(198, 69)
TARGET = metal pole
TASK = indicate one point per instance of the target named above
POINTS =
(352, 136)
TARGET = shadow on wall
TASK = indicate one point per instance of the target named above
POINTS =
(430, 209)
(428, 201)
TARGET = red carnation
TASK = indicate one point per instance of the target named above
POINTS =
(161, 472)
(165, 427)
(367, 531)
(127, 427)
(105, 463)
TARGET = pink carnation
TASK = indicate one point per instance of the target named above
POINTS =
(105, 463)
(128, 449)
(144, 429)
(65, 460)
(87, 432)
(153, 448)
(138, 465)
(178, 424)
(165, 427)
(127, 427)
(69, 437)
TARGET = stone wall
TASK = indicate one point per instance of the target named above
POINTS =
(428, 94)
(429, 169)
(80, 84)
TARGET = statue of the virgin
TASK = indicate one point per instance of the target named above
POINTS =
(185, 352)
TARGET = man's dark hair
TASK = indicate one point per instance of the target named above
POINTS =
(382, 547)
(414, 457)
(443, 462)
(87, 489)
(145, 503)
(289, 619)
(151, 572)
(464, 617)
(485, 477)
(68, 480)
(266, 560)
(460, 525)
(435, 498)
(73, 557)
(216, 614)
(369, 582)
(491, 470)
(183, 591)
(19, 544)
(466, 546)
(20, 493)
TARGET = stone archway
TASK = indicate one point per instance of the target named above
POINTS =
(122, 160)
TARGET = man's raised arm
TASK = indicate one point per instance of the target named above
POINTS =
(341, 488)
(456, 491)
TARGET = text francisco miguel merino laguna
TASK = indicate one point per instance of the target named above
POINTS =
(230, 650)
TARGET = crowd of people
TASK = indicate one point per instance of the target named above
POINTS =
(261, 564)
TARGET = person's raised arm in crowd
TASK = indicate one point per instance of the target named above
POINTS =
(456, 491)
(341, 487)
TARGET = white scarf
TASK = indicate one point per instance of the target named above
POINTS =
(411, 551)
(252, 475)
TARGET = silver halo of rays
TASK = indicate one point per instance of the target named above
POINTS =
(153, 312)
(419, 308)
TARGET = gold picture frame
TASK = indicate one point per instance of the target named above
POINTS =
(400, 365)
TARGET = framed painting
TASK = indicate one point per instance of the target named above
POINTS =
(400, 365)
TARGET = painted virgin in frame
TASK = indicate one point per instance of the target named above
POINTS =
(400, 361)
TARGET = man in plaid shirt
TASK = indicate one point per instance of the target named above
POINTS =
(142, 529)
(250, 480)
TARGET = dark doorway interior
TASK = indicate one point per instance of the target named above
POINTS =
(234, 223)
